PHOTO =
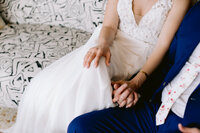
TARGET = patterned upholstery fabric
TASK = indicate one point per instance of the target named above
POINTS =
(82, 14)
(27, 49)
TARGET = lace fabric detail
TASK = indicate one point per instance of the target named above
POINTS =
(149, 27)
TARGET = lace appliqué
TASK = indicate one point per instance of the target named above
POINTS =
(149, 27)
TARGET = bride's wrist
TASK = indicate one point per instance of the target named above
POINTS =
(140, 78)
(103, 43)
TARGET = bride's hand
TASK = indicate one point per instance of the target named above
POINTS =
(95, 53)
(125, 93)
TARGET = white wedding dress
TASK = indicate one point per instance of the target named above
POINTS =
(66, 89)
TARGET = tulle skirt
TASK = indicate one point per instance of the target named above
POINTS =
(65, 89)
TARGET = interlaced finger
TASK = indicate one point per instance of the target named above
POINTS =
(125, 94)
(130, 100)
(122, 104)
(136, 98)
(116, 86)
(121, 89)
(120, 82)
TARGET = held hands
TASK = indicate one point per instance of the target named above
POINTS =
(125, 92)
(95, 53)
(188, 130)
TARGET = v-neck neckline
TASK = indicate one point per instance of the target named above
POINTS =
(137, 24)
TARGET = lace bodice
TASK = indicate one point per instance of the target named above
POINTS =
(150, 25)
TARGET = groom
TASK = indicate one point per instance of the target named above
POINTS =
(150, 115)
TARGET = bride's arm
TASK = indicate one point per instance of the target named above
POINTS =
(124, 92)
(106, 37)
(168, 31)
(110, 23)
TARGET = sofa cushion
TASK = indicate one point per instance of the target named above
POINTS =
(82, 14)
(26, 49)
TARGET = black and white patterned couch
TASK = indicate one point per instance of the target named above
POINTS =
(40, 32)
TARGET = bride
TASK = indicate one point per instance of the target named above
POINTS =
(134, 37)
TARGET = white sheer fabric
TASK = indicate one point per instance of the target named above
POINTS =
(65, 89)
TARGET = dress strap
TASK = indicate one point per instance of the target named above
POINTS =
(169, 3)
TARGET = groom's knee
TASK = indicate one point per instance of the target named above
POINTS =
(78, 125)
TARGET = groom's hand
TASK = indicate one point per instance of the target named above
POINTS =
(124, 93)
(187, 129)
